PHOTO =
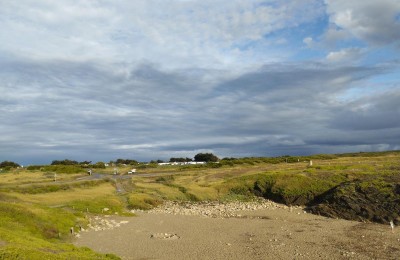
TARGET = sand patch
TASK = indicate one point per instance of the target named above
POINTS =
(267, 233)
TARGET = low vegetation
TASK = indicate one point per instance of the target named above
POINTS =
(40, 204)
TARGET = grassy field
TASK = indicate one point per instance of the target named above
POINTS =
(38, 212)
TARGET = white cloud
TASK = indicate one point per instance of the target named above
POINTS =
(370, 20)
(345, 55)
(308, 41)
(172, 33)
(143, 79)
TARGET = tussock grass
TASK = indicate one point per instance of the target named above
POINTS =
(143, 201)
(114, 204)
(63, 197)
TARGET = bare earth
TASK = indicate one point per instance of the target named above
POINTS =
(272, 231)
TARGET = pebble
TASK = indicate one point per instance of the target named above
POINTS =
(165, 236)
(215, 209)
(98, 224)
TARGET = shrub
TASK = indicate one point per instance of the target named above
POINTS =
(63, 168)
(34, 167)
(9, 164)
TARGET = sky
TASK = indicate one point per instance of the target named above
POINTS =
(154, 79)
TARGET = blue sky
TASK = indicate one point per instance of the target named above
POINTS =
(99, 80)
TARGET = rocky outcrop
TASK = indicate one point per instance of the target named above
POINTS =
(361, 201)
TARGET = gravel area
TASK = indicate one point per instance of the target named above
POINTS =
(217, 209)
(238, 230)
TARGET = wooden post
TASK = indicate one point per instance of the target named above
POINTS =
(72, 230)
(392, 225)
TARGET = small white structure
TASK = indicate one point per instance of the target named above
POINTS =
(196, 163)
(181, 163)
(310, 163)
(164, 163)
(132, 171)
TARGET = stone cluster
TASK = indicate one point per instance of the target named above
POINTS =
(102, 223)
(216, 209)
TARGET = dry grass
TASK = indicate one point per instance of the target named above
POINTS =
(19, 176)
(213, 182)
(62, 197)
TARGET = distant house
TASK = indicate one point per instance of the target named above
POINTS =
(196, 162)
(164, 163)
(181, 163)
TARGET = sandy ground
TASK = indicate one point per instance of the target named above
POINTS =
(277, 233)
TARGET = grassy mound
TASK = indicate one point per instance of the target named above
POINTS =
(30, 231)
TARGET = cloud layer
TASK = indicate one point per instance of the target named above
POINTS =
(100, 80)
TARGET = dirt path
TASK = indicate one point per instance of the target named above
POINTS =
(270, 233)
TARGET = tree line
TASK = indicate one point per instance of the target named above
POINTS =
(200, 157)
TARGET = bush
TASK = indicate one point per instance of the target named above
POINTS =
(64, 162)
(63, 168)
(205, 157)
(34, 167)
(9, 165)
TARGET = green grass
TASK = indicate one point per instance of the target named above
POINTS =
(30, 231)
(37, 213)
(114, 204)
(51, 187)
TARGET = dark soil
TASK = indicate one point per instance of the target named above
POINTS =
(361, 201)
(373, 198)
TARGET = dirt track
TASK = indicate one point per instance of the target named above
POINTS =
(271, 233)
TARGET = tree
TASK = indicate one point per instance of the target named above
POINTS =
(126, 161)
(64, 162)
(205, 157)
(180, 159)
(9, 164)
(98, 165)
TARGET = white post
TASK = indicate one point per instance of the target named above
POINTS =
(310, 163)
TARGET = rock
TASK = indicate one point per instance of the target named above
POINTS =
(213, 209)
(165, 236)
(360, 201)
